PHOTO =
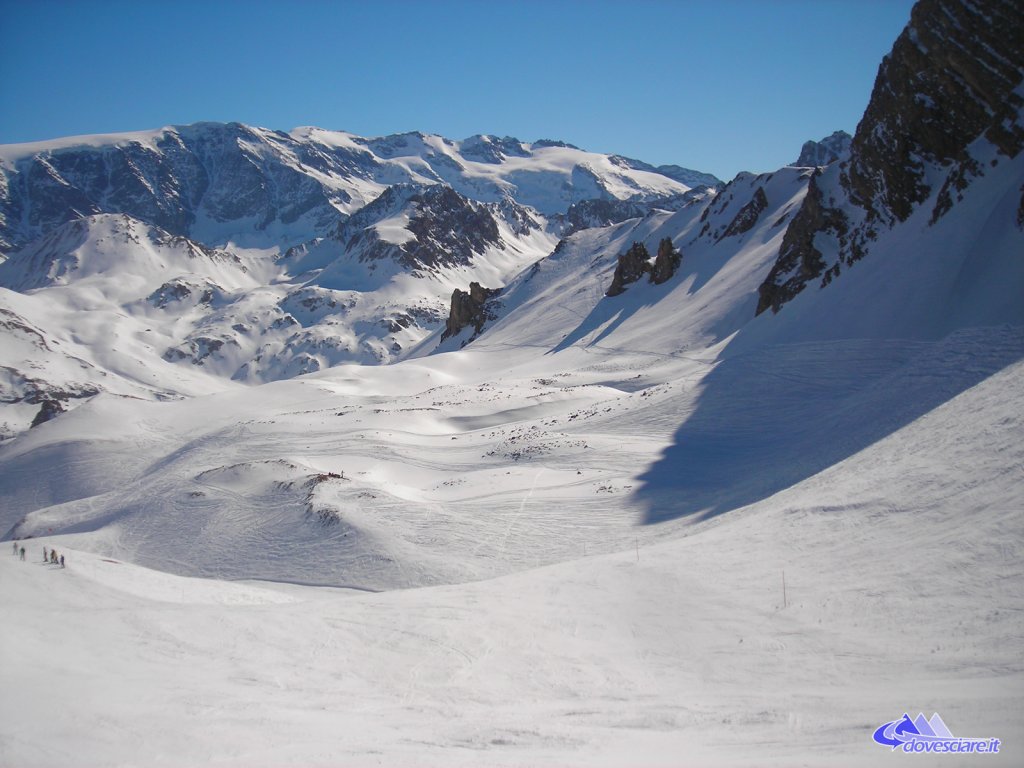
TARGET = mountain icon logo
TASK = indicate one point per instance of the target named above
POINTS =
(922, 734)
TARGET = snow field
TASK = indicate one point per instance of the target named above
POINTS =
(676, 652)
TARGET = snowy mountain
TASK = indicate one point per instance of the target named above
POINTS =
(567, 524)
(352, 246)
(219, 183)
(826, 151)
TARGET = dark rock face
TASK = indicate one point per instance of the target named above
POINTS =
(666, 262)
(951, 78)
(799, 260)
(469, 309)
(491, 149)
(633, 264)
(541, 143)
(223, 172)
(824, 152)
(602, 212)
(50, 409)
(748, 215)
(447, 229)
(180, 289)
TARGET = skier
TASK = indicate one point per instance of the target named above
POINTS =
(45, 556)
(53, 556)
(22, 553)
(62, 561)
(15, 548)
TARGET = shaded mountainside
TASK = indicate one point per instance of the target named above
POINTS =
(947, 94)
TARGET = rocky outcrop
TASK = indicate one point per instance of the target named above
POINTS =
(953, 77)
(469, 309)
(687, 176)
(50, 409)
(666, 262)
(444, 228)
(799, 260)
(633, 264)
(824, 152)
(747, 216)
(491, 149)
(586, 214)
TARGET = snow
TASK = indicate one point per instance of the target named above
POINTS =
(12, 153)
(675, 649)
(564, 543)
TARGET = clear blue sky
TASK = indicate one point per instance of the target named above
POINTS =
(719, 86)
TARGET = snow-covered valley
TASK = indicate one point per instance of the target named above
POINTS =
(607, 642)
(412, 451)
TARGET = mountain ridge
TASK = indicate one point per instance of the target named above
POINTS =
(284, 188)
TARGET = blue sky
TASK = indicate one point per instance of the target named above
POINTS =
(716, 86)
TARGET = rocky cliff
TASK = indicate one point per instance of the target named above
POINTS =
(469, 309)
(828, 150)
(949, 90)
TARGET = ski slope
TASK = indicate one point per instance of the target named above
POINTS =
(903, 592)
(563, 543)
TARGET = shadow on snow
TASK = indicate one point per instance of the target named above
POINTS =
(769, 419)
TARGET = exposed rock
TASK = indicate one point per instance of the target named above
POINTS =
(491, 149)
(602, 212)
(585, 214)
(666, 262)
(50, 409)
(747, 216)
(633, 264)
(197, 349)
(469, 309)
(799, 260)
(685, 176)
(824, 152)
(953, 76)
(541, 143)
(447, 229)
(179, 289)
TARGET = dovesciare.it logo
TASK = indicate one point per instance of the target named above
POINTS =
(921, 736)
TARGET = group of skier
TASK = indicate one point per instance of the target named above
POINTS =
(49, 556)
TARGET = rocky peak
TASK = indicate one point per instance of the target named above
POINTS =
(666, 262)
(687, 176)
(953, 77)
(824, 152)
(491, 149)
(632, 265)
(469, 309)
(441, 227)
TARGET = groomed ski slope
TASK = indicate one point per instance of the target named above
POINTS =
(904, 593)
